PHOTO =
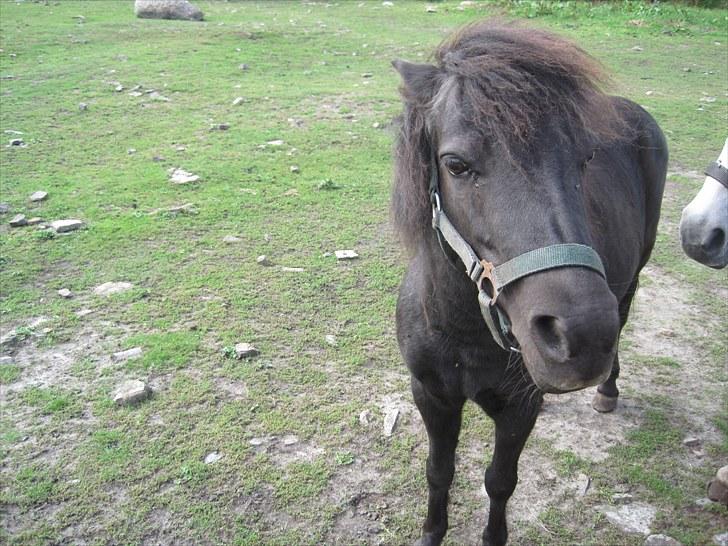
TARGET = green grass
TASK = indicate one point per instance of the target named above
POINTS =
(130, 475)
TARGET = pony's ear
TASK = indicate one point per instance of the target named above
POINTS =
(418, 79)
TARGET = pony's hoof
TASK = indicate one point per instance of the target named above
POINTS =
(603, 403)
(429, 539)
(718, 487)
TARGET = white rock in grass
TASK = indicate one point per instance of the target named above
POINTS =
(292, 269)
(38, 196)
(346, 255)
(263, 260)
(238, 101)
(230, 239)
(19, 220)
(36, 220)
(331, 340)
(245, 350)
(64, 226)
(131, 392)
(180, 176)
(212, 457)
(65, 293)
(721, 539)
(167, 9)
(109, 288)
(633, 518)
(390, 421)
(129, 354)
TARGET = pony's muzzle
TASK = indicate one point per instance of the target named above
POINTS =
(571, 343)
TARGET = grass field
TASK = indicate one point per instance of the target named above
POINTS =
(303, 170)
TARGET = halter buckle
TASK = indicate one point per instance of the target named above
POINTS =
(487, 275)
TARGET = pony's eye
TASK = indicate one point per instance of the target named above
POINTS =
(456, 166)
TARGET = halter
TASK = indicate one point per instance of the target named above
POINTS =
(483, 272)
(717, 172)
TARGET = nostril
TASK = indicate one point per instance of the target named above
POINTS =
(714, 241)
(548, 330)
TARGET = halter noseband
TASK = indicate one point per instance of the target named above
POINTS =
(717, 172)
(483, 272)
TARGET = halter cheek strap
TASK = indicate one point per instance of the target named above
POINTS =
(486, 275)
(717, 172)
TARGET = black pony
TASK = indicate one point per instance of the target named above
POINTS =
(529, 200)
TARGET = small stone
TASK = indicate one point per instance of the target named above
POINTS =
(390, 421)
(19, 220)
(65, 293)
(64, 226)
(275, 143)
(295, 169)
(245, 350)
(691, 441)
(583, 484)
(82, 106)
(180, 148)
(109, 288)
(158, 97)
(331, 340)
(131, 151)
(375, 125)
(129, 354)
(387, 4)
(256, 441)
(5, 360)
(180, 176)
(187, 208)
(263, 260)
(687, 69)
(346, 255)
(119, 88)
(38, 196)
(648, 93)
(367, 75)
(636, 48)
(230, 239)
(661, 540)
(244, 66)
(220, 127)
(721, 539)
(135, 93)
(293, 269)
(238, 101)
(131, 392)
(431, 9)
(622, 498)
(212, 457)
(17, 142)
(365, 418)
(84, 312)
(4, 208)
(290, 439)
(36, 220)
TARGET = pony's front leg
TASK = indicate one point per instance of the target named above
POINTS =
(442, 420)
(513, 424)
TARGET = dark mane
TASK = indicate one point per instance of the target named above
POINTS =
(509, 78)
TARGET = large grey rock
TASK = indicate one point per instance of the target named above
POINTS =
(131, 392)
(64, 226)
(631, 518)
(167, 9)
